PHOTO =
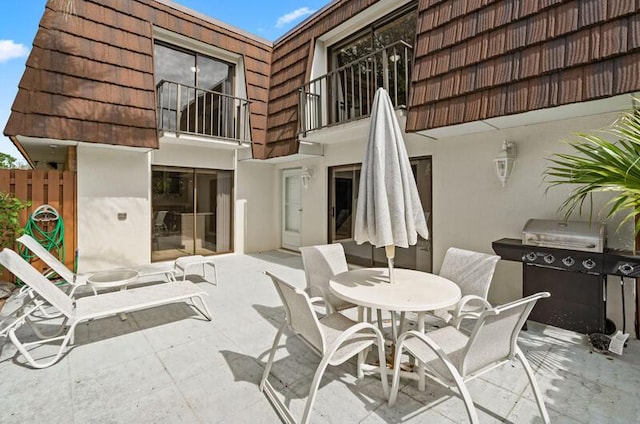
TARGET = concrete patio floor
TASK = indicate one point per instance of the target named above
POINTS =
(169, 365)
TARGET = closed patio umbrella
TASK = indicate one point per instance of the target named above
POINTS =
(389, 212)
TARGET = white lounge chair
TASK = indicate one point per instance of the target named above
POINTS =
(72, 279)
(452, 357)
(334, 337)
(76, 311)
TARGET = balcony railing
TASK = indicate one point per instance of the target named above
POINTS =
(347, 93)
(193, 110)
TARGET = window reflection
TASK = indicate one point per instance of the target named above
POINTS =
(194, 92)
(179, 231)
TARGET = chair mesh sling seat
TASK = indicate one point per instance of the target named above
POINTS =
(453, 358)
(321, 263)
(472, 272)
(334, 337)
(76, 311)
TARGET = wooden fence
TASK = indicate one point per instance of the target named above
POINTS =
(40, 187)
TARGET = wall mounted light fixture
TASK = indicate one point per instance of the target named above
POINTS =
(305, 176)
(505, 161)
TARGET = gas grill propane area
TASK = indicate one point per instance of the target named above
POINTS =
(569, 259)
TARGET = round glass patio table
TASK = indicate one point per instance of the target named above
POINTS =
(412, 291)
(114, 278)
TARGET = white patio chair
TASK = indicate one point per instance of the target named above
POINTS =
(472, 272)
(76, 311)
(321, 263)
(334, 337)
(451, 357)
(159, 225)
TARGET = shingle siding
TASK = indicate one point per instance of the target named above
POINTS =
(523, 55)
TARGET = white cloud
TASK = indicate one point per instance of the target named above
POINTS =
(11, 50)
(292, 16)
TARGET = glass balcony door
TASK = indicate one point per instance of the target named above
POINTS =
(343, 200)
(194, 92)
(191, 212)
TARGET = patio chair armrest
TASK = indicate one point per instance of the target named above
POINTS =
(317, 299)
(470, 306)
(325, 299)
(424, 338)
(349, 332)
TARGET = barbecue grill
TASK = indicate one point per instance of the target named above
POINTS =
(570, 260)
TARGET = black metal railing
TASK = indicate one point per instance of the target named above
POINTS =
(347, 93)
(187, 109)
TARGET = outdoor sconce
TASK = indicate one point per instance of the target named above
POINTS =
(505, 161)
(305, 176)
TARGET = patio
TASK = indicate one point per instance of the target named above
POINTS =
(170, 365)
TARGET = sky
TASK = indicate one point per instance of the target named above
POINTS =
(19, 22)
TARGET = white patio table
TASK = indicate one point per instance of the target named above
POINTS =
(112, 279)
(413, 291)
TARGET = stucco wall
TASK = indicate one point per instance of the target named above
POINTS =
(256, 187)
(183, 154)
(112, 181)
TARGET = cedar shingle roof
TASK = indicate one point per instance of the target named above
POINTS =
(486, 58)
(89, 76)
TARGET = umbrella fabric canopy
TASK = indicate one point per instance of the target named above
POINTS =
(389, 211)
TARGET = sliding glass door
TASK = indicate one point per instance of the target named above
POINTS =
(191, 212)
(343, 199)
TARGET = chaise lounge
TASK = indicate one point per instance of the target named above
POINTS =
(84, 309)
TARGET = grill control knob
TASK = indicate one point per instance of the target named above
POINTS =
(532, 256)
(625, 269)
(589, 264)
(549, 258)
(568, 261)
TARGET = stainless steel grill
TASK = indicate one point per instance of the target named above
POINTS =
(571, 235)
(571, 261)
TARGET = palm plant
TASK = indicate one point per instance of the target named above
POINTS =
(601, 165)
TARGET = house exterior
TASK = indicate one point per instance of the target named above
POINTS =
(191, 136)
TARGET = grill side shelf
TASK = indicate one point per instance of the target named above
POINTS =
(509, 249)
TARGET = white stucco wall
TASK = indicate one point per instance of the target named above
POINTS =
(256, 188)
(183, 154)
(112, 181)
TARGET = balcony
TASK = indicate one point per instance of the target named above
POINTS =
(346, 94)
(184, 109)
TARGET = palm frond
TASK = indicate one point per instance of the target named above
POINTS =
(600, 165)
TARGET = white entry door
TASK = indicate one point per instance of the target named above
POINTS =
(291, 208)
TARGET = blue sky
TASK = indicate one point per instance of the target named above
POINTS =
(19, 23)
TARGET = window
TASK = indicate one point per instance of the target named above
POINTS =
(194, 92)
(378, 56)
(191, 212)
(344, 182)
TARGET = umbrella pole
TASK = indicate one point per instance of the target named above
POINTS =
(391, 254)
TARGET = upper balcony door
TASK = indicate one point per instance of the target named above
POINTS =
(195, 94)
(380, 55)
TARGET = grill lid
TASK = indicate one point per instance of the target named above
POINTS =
(574, 235)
